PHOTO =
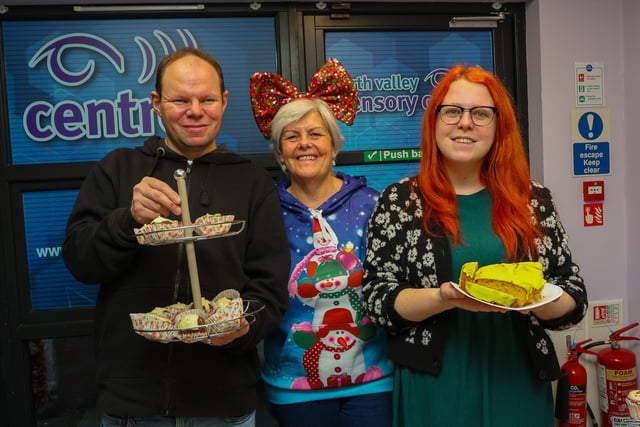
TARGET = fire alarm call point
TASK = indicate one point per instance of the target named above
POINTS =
(593, 191)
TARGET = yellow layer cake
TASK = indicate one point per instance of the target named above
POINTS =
(507, 284)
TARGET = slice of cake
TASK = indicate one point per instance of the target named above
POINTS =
(507, 284)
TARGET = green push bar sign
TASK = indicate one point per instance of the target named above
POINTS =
(392, 155)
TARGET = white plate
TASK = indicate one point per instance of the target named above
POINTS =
(550, 292)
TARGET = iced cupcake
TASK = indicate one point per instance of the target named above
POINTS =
(633, 403)
(190, 325)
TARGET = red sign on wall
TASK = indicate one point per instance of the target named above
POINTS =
(593, 191)
(593, 214)
(606, 314)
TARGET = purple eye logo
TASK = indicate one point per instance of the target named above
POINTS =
(433, 78)
(53, 52)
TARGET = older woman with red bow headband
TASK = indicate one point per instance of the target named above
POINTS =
(326, 364)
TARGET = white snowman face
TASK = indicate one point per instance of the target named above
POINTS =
(339, 338)
(332, 284)
(319, 241)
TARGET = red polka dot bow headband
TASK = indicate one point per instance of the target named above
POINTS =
(331, 83)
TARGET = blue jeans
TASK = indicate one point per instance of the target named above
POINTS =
(371, 410)
(248, 420)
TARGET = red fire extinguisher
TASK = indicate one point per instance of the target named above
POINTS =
(576, 386)
(617, 376)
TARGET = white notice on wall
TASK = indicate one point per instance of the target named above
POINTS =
(589, 84)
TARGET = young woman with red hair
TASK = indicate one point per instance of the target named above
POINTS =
(460, 362)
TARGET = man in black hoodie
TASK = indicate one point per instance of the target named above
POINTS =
(205, 383)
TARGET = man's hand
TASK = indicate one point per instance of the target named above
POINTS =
(153, 198)
(227, 338)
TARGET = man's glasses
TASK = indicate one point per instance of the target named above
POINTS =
(480, 116)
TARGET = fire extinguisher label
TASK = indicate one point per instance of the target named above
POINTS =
(620, 375)
(577, 405)
(614, 385)
(577, 389)
(623, 422)
(602, 388)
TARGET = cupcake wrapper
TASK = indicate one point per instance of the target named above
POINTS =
(152, 327)
(195, 336)
(213, 224)
(168, 231)
(634, 408)
(228, 318)
(227, 293)
(175, 309)
(142, 239)
(158, 232)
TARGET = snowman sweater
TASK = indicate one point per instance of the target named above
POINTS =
(326, 346)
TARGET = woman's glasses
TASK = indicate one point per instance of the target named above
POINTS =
(480, 116)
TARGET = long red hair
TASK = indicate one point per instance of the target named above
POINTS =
(505, 171)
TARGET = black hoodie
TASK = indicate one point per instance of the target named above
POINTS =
(137, 377)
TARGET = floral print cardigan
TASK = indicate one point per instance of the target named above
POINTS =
(401, 255)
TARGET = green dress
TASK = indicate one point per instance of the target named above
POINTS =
(486, 379)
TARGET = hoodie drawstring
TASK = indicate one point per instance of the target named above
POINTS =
(160, 152)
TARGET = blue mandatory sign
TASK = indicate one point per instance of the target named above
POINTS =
(591, 158)
(590, 125)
